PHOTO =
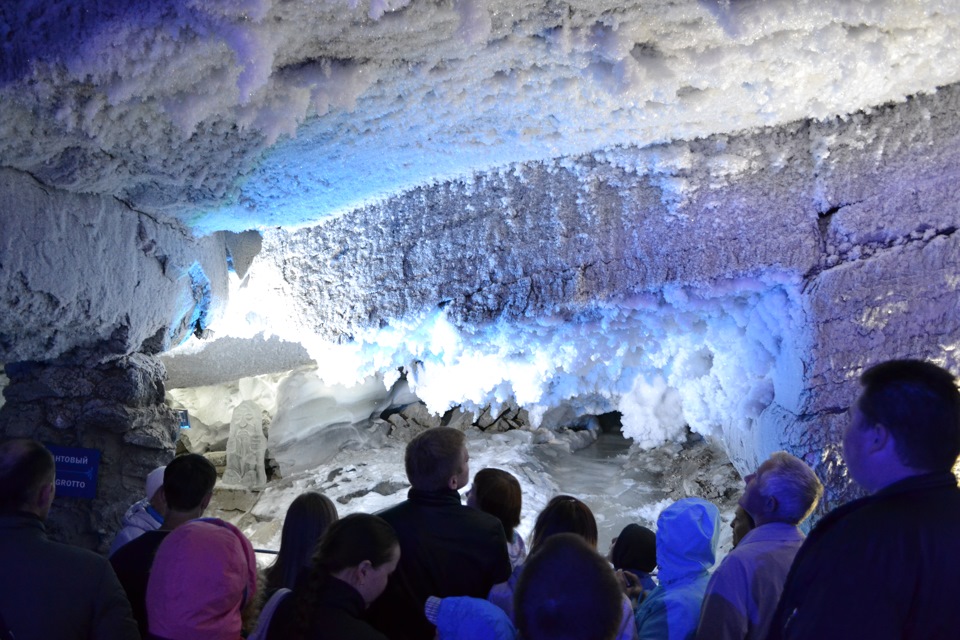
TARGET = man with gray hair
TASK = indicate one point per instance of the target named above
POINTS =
(742, 594)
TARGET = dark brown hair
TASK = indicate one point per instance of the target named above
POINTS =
(565, 514)
(920, 405)
(308, 517)
(567, 591)
(498, 493)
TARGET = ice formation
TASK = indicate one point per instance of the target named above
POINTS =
(283, 113)
(702, 213)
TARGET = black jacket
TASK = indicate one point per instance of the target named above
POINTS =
(885, 566)
(336, 615)
(52, 591)
(446, 549)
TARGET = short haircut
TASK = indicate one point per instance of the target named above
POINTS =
(433, 457)
(635, 549)
(919, 404)
(187, 480)
(794, 485)
(25, 465)
(498, 493)
(567, 591)
(565, 514)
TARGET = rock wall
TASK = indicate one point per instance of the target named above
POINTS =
(90, 292)
(115, 407)
(859, 212)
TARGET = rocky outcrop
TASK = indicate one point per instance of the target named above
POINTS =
(116, 408)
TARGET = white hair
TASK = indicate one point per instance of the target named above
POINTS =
(794, 485)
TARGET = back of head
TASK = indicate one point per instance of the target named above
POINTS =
(202, 577)
(565, 514)
(567, 591)
(636, 549)
(187, 480)
(353, 539)
(794, 485)
(919, 404)
(307, 519)
(687, 535)
(25, 466)
(433, 456)
(498, 493)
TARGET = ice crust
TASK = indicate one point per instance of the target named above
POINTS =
(272, 113)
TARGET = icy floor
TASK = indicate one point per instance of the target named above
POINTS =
(620, 482)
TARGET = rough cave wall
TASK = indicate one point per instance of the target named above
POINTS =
(92, 292)
(862, 210)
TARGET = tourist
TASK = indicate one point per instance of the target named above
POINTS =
(687, 535)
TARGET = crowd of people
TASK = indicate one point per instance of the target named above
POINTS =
(432, 567)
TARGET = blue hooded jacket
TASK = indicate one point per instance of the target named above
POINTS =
(687, 535)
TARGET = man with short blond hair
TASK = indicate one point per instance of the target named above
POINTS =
(742, 594)
(446, 548)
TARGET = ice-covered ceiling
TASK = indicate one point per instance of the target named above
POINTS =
(656, 207)
(239, 114)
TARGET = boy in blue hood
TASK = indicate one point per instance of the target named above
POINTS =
(687, 535)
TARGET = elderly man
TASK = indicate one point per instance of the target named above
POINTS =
(885, 566)
(50, 590)
(743, 592)
(446, 548)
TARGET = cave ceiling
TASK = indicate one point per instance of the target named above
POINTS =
(253, 114)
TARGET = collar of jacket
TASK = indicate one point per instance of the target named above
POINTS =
(337, 593)
(441, 497)
(923, 482)
(918, 483)
(21, 520)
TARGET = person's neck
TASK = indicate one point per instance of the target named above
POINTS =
(176, 518)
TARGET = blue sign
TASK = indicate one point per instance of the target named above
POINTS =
(184, 418)
(76, 471)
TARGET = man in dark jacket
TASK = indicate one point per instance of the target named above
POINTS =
(447, 548)
(885, 566)
(187, 488)
(50, 590)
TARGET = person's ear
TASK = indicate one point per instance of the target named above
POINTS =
(879, 437)
(363, 570)
(453, 483)
(46, 495)
(771, 504)
(206, 501)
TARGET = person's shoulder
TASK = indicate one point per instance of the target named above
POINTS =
(398, 510)
(77, 559)
(143, 545)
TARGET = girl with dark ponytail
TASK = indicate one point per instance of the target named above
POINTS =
(349, 570)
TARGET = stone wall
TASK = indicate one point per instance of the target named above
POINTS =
(115, 407)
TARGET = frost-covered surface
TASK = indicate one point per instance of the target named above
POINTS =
(83, 271)
(741, 302)
(290, 112)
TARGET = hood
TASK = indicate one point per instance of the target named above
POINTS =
(687, 536)
(203, 574)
